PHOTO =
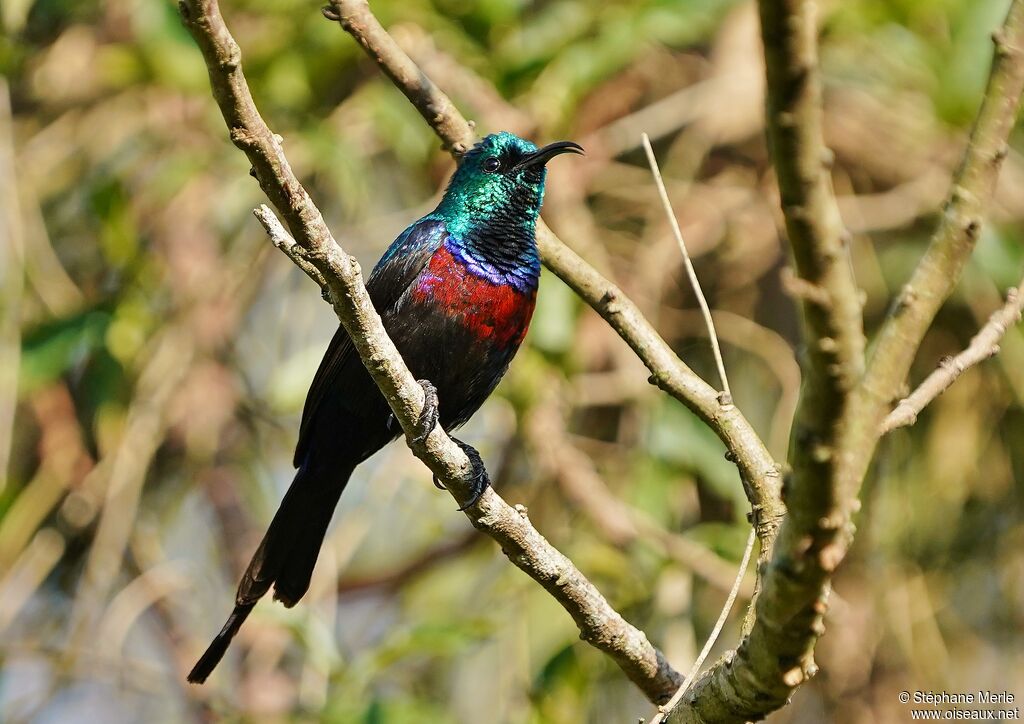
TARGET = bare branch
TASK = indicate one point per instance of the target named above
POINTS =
(280, 238)
(436, 108)
(983, 345)
(826, 290)
(598, 622)
(759, 472)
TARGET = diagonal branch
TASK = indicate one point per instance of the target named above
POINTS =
(598, 622)
(983, 345)
(759, 472)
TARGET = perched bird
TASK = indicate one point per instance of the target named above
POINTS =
(455, 291)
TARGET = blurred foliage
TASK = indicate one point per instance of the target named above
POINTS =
(165, 353)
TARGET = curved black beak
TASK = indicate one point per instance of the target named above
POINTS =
(542, 155)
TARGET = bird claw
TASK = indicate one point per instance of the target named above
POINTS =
(428, 415)
(481, 480)
(428, 419)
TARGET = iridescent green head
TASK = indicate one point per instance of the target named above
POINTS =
(501, 179)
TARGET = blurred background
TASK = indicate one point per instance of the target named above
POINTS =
(155, 351)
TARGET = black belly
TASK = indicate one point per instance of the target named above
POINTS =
(353, 420)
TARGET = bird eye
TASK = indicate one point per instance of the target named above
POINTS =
(491, 164)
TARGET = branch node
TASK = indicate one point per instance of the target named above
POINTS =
(793, 678)
(801, 289)
(908, 296)
(610, 302)
(951, 364)
(230, 61)
(241, 137)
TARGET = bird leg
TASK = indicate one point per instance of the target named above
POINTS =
(428, 415)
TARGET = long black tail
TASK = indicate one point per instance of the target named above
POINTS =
(287, 555)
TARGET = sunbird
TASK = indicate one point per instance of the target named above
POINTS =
(456, 292)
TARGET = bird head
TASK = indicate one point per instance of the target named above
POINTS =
(501, 176)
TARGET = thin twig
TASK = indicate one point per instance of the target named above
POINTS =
(694, 282)
(983, 345)
(599, 623)
(280, 238)
(713, 637)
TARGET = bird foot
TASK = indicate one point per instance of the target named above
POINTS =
(481, 480)
(428, 415)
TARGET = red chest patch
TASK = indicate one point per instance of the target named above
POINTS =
(497, 313)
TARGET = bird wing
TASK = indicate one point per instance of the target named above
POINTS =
(391, 277)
